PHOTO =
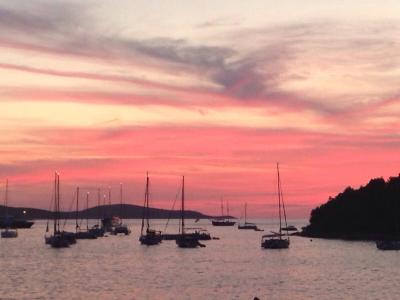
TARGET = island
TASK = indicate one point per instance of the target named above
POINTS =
(126, 211)
(370, 212)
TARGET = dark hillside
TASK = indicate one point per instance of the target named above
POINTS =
(370, 212)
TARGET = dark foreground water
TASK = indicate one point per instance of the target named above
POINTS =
(234, 267)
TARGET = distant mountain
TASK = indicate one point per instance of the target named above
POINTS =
(125, 211)
(369, 212)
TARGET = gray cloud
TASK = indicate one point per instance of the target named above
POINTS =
(258, 73)
(39, 17)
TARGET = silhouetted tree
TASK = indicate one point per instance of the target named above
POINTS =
(370, 211)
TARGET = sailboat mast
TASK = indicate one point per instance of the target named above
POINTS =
(147, 202)
(279, 201)
(227, 208)
(77, 209)
(222, 207)
(57, 226)
(121, 200)
(55, 203)
(104, 205)
(245, 212)
(6, 199)
(87, 210)
(98, 206)
(183, 205)
(284, 211)
(109, 199)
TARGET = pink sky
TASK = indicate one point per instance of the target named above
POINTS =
(103, 93)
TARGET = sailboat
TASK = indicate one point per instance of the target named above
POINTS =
(121, 228)
(79, 233)
(277, 240)
(151, 236)
(223, 221)
(108, 222)
(58, 239)
(185, 240)
(9, 222)
(8, 232)
(96, 229)
(248, 225)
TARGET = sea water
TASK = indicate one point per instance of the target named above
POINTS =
(233, 267)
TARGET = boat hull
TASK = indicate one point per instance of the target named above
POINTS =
(9, 234)
(388, 245)
(275, 243)
(16, 224)
(188, 241)
(150, 239)
(123, 229)
(59, 241)
(85, 235)
(199, 236)
(98, 232)
(248, 227)
(223, 223)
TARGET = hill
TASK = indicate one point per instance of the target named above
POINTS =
(369, 212)
(126, 211)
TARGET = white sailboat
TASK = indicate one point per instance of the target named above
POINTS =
(278, 240)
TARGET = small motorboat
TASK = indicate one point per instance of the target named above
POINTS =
(388, 245)
(275, 243)
(289, 228)
(121, 229)
(9, 233)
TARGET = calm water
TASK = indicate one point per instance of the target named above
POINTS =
(234, 267)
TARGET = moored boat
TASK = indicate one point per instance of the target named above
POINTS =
(185, 240)
(150, 236)
(8, 232)
(248, 225)
(59, 239)
(388, 244)
(223, 220)
(279, 240)
(14, 223)
(79, 232)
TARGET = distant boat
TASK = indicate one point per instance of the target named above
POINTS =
(109, 222)
(223, 221)
(200, 234)
(96, 229)
(277, 240)
(8, 232)
(58, 239)
(248, 225)
(150, 236)
(121, 228)
(185, 240)
(290, 228)
(79, 232)
(388, 245)
(11, 222)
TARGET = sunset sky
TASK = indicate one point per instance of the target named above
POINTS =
(218, 91)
